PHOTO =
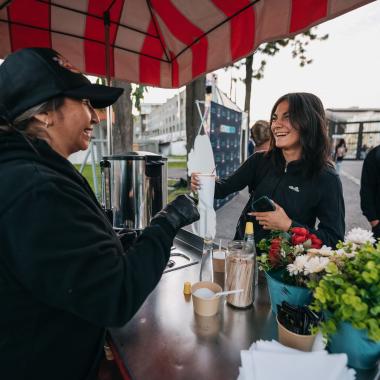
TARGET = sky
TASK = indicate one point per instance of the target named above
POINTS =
(345, 71)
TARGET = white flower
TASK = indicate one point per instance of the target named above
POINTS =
(359, 236)
(342, 252)
(324, 251)
(298, 265)
(282, 253)
(298, 249)
(316, 264)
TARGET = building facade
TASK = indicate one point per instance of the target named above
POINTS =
(359, 127)
(165, 124)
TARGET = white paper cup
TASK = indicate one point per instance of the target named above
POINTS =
(207, 190)
(206, 307)
(206, 224)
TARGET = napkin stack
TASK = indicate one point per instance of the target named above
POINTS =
(270, 360)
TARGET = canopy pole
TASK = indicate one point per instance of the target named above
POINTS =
(107, 23)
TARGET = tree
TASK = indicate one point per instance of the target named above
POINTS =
(299, 45)
(123, 128)
(122, 136)
(122, 132)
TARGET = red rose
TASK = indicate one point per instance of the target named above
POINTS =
(299, 231)
(274, 252)
(275, 243)
(317, 243)
(312, 237)
(274, 257)
(298, 239)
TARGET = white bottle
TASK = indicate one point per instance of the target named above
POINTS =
(250, 247)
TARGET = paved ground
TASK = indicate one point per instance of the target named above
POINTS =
(228, 215)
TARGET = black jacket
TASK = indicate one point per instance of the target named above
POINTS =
(304, 199)
(370, 185)
(63, 274)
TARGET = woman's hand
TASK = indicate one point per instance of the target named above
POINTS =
(194, 181)
(273, 220)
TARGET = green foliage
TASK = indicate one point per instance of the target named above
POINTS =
(174, 193)
(138, 96)
(177, 165)
(87, 173)
(352, 293)
(299, 44)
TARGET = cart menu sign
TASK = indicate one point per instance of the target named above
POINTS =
(225, 136)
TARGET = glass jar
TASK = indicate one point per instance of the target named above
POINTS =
(240, 272)
(207, 272)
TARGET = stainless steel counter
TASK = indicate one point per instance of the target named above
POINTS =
(166, 341)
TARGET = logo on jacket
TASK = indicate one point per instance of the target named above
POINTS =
(294, 188)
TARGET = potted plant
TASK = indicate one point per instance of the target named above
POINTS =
(349, 296)
(288, 265)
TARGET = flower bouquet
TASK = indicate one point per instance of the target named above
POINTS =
(297, 254)
(294, 260)
(282, 265)
(349, 296)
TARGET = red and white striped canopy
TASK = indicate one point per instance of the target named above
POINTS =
(164, 43)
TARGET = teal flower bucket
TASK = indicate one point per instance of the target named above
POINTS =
(279, 291)
(362, 352)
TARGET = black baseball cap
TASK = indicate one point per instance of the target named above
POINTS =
(32, 76)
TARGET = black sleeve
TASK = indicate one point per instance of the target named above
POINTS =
(330, 212)
(69, 257)
(368, 187)
(238, 180)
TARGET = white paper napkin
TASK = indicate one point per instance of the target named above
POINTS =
(270, 360)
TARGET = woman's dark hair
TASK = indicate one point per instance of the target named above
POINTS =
(260, 132)
(341, 143)
(307, 115)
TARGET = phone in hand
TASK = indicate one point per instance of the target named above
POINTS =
(263, 204)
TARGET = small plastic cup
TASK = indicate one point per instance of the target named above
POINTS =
(293, 340)
(206, 307)
(218, 263)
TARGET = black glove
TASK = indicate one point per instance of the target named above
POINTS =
(127, 238)
(178, 213)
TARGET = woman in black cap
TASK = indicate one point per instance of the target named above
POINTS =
(64, 275)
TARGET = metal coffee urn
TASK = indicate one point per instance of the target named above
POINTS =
(134, 188)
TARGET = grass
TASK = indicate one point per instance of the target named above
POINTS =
(178, 158)
(177, 165)
(87, 173)
(172, 194)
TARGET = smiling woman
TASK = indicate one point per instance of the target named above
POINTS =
(295, 173)
(69, 128)
(67, 278)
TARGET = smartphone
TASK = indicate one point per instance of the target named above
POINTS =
(263, 204)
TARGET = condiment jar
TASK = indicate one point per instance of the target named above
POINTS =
(240, 270)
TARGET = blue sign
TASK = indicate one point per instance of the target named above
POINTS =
(225, 135)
